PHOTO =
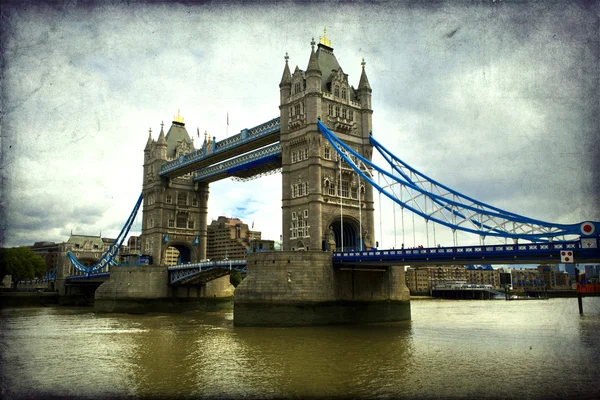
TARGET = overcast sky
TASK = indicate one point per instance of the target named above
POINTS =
(496, 100)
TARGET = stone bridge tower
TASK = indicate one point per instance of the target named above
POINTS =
(314, 181)
(174, 209)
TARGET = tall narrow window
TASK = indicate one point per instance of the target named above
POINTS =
(337, 111)
(344, 113)
(327, 154)
(345, 187)
(169, 199)
(182, 199)
(343, 93)
(331, 109)
(297, 109)
(332, 190)
(351, 115)
(337, 92)
(306, 188)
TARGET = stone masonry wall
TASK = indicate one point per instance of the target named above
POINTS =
(287, 276)
(139, 282)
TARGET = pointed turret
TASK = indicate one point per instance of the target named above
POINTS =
(313, 71)
(161, 143)
(149, 142)
(364, 89)
(364, 82)
(313, 62)
(161, 137)
(285, 86)
(286, 78)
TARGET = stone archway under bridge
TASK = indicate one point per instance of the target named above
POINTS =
(177, 253)
(348, 229)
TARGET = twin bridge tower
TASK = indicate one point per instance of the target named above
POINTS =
(325, 205)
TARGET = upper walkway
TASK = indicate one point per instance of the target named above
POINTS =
(215, 152)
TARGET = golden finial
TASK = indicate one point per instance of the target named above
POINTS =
(286, 57)
(363, 63)
(178, 118)
(312, 43)
(324, 40)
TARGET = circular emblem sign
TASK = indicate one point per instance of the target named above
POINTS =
(587, 228)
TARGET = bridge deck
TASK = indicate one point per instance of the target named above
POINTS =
(493, 254)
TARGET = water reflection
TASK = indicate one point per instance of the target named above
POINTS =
(449, 349)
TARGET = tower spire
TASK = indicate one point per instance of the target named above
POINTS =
(149, 142)
(364, 82)
(161, 137)
(286, 78)
(313, 63)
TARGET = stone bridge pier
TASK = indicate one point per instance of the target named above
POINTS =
(292, 288)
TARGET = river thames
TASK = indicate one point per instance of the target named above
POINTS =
(450, 349)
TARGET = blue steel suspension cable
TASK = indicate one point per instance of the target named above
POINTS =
(565, 229)
(108, 257)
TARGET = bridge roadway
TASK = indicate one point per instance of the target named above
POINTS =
(527, 253)
(487, 254)
(184, 274)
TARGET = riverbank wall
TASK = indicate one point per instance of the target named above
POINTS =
(16, 298)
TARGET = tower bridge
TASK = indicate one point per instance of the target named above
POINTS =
(329, 269)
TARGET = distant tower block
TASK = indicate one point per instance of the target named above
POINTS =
(175, 210)
(313, 183)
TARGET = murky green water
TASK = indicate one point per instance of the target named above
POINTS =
(474, 349)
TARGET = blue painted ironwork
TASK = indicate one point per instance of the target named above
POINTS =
(97, 275)
(108, 257)
(452, 208)
(179, 273)
(271, 153)
(492, 254)
(268, 128)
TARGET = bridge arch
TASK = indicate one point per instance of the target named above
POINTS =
(350, 232)
(184, 253)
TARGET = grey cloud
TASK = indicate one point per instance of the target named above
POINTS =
(505, 108)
